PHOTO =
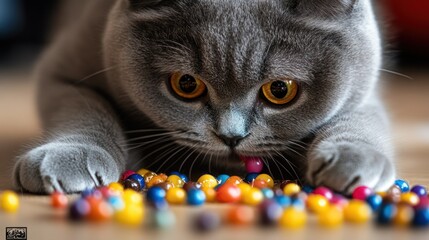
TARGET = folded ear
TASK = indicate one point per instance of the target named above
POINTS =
(322, 8)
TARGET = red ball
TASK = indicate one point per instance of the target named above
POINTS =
(59, 200)
(362, 193)
(228, 193)
(324, 191)
(423, 203)
(126, 174)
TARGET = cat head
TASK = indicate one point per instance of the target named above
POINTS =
(243, 76)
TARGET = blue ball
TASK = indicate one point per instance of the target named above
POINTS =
(196, 197)
(155, 194)
(283, 200)
(268, 193)
(221, 179)
(297, 203)
(270, 212)
(386, 213)
(375, 202)
(421, 218)
(250, 177)
(139, 178)
(86, 193)
(419, 190)
(79, 209)
(307, 189)
(116, 202)
(403, 185)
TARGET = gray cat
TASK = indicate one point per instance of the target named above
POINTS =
(193, 85)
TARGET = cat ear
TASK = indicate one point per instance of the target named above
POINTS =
(322, 8)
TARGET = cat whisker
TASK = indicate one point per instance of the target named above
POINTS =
(150, 143)
(179, 149)
(275, 162)
(97, 73)
(192, 165)
(186, 159)
(290, 165)
(268, 166)
(149, 130)
(396, 73)
(153, 152)
(165, 161)
(152, 136)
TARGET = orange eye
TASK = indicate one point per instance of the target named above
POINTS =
(280, 92)
(187, 86)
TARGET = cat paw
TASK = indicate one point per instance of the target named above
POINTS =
(344, 166)
(65, 167)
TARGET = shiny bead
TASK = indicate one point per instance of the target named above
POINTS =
(423, 203)
(155, 180)
(126, 174)
(244, 188)
(131, 197)
(131, 215)
(241, 215)
(164, 219)
(362, 193)
(79, 210)
(132, 184)
(165, 185)
(267, 178)
(250, 177)
(374, 201)
(196, 197)
(317, 203)
(308, 189)
(331, 218)
(419, 190)
(297, 203)
(269, 212)
(253, 164)
(286, 182)
(403, 185)
(357, 211)
(228, 193)
(326, 192)
(394, 191)
(176, 196)
(116, 188)
(221, 179)
(9, 201)
(386, 213)
(421, 217)
(268, 193)
(177, 181)
(116, 202)
(181, 175)
(210, 194)
(142, 171)
(291, 188)
(293, 218)
(207, 221)
(191, 185)
(155, 194)
(410, 198)
(339, 201)
(139, 178)
(283, 200)
(163, 176)
(59, 200)
(207, 180)
(253, 197)
(404, 215)
(234, 180)
(259, 183)
(99, 210)
(148, 176)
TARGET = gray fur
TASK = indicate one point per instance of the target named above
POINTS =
(104, 97)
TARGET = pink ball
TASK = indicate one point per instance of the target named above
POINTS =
(362, 193)
(324, 191)
(253, 164)
(126, 174)
(423, 203)
(339, 201)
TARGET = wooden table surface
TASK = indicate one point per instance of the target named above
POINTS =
(408, 101)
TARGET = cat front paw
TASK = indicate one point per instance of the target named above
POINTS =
(66, 167)
(344, 166)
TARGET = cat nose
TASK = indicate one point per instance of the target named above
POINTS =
(231, 141)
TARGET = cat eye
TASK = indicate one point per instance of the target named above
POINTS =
(187, 86)
(280, 92)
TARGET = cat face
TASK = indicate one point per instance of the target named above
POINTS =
(200, 67)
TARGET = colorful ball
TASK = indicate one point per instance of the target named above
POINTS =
(374, 201)
(221, 179)
(132, 184)
(357, 211)
(403, 185)
(253, 197)
(155, 194)
(410, 198)
(362, 193)
(210, 194)
(421, 218)
(131, 197)
(331, 218)
(386, 213)
(196, 197)
(250, 177)
(208, 181)
(176, 196)
(283, 200)
(9, 201)
(99, 210)
(317, 203)
(419, 190)
(59, 200)
(293, 218)
(259, 183)
(291, 189)
(116, 188)
(126, 174)
(176, 180)
(207, 221)
(131, 215)
(404, 215)
(234, 180)
(324, 191)
(164, 219)
(241, 215)
(139, 178)
(269, 212)
(228, 193)
(267, 178)
(268, 193)
(253, 164)
(79, 209)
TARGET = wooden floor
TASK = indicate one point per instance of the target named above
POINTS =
(408, 101)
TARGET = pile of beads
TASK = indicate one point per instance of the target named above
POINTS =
(255, 198)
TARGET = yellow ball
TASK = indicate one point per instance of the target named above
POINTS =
(404, 215)
(357, 211)
(132, 197)
(116, 188)
(142, 171)
(176, 181)
(332, 217)
(148, 176)
(293, 218)
(176, 196)
(410, 198)
(207, 181)
(267, 178)
(244, 188)
(253, 196)
(291, 189)
(317, 203)
(9, 201)
(210, 194)
(131, 215)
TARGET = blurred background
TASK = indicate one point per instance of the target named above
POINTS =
(24, 31)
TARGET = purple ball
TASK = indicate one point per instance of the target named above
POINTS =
(79, 209)
(419, 190)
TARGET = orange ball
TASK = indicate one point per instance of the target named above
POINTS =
(259, 183)
(163, 176)
(234, 180)
(99, 210)
(241, 215)
(155, 181)
(59, 200)
(210, 194)
(228, 193)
